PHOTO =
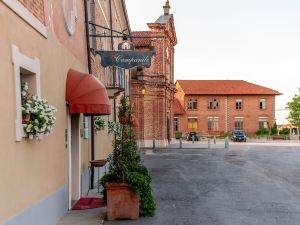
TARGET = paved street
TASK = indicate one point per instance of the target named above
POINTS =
(245, 185)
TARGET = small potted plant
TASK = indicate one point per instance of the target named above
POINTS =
(127, 185)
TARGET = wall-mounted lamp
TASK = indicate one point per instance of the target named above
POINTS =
(142, 89)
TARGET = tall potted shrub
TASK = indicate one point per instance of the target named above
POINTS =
(127, 185)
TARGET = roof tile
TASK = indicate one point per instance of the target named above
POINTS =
(224, 87)
(178, 108)
(141, 42)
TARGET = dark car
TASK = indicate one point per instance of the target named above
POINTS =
(191, 135)
(239, 135)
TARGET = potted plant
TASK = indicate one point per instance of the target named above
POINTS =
(127, 185)
(99, 123)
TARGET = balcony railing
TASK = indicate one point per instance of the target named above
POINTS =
(114, 79)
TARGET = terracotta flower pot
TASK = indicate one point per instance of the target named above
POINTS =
(25, 118)
(122, 201)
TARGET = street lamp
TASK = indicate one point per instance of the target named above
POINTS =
(143, 89)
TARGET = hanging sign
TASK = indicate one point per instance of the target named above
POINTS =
(126, 57)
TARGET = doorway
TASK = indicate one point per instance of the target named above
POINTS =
(74, 159)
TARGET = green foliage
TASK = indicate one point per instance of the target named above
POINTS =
(274, 129)
(141, 183)
(294, 107)
(113, 127)
(262, 131)
(99, 123)
(285, 131)
(178, 134)
(125, 165)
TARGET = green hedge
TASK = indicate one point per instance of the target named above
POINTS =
(178, 134)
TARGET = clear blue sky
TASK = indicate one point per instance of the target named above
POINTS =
(253, 40)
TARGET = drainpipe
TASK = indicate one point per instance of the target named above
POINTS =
(112, 48)
(90, 72)
(226, 114)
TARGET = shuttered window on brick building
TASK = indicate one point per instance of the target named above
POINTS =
(239, 123)
(213, 123)
(192, 124)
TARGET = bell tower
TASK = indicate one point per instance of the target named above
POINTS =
(167, 8)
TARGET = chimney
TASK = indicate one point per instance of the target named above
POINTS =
(166, 7)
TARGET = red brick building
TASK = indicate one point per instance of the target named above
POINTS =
(212, 107)
(154, 108)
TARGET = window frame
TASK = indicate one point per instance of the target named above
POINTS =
(21, 61)
(213, 104)
(264, 121)
(195, 121)
(195, 104)
(239, 120)
(262, 104)
(176, 124)
(213, 124)
(239, 104)
(190, 104)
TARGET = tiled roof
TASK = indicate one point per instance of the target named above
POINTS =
(141, 42)
(224, 87)
(178, 108)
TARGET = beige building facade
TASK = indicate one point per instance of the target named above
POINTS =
(40, 41)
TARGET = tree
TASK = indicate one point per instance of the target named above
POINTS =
(294, 107)
(274, 129)
(125, 164)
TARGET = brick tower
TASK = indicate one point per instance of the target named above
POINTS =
(153, 107)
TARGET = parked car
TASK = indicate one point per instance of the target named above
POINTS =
(191, 135)
(239, 135)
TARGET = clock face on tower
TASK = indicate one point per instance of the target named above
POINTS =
(69, 11)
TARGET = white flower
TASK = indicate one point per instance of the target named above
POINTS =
(43, 114)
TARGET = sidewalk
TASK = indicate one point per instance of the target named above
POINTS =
(220, 143)
(85, 217)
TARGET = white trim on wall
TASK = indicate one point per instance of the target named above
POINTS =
(33, 65)
(27, 16)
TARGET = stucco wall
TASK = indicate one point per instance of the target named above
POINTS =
(31, 170)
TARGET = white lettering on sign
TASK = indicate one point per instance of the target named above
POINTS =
(121, 59)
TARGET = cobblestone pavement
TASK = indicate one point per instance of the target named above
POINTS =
(242, 185)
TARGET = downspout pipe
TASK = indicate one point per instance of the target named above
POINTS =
(112, 48)
(87, 34)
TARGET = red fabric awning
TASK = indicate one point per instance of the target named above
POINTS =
(86, 94)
